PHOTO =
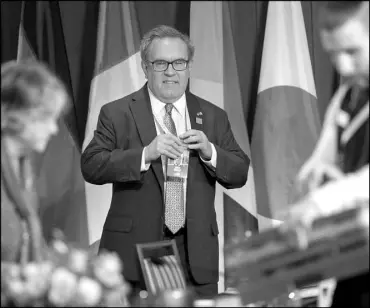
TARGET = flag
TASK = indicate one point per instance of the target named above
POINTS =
(58, 181)
(214, 77)
(286, 123)
(117, 73)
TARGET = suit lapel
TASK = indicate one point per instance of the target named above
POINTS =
(196, 121)
(143, 116)
(195, 112)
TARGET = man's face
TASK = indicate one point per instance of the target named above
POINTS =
(348, 48)
(168, 86)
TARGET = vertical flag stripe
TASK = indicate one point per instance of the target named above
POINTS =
(24, 48)
(58, 178)
(286, 40)
(286, 125)
(233, 105)
(118, 32)
(118, 73)
(42, 22)
(206, 81)
(214, 77)
(10, 21)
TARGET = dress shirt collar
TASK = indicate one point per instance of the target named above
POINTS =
(158, 106)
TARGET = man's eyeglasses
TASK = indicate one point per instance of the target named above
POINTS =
(162, 65)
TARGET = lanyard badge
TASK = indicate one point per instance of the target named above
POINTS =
(178, 167)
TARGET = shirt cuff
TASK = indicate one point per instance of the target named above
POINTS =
(213, 161)
(144, 166)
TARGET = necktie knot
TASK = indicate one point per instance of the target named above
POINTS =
(169, 108)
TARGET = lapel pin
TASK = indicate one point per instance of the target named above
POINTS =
(198, 120)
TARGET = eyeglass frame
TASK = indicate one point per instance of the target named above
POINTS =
(168, 64)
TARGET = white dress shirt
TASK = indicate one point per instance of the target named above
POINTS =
(181, 119)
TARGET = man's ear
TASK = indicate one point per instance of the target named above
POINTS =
(145, 69)
(190, 65)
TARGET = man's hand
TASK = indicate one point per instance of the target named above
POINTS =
(165, 144)
(314, 171)
(298, 222)
(197, 140)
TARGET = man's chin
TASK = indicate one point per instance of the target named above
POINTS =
(171, 96)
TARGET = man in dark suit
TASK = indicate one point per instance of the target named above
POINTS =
(134, 147)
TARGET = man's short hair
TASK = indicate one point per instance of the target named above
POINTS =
(160, 32)
(334, 14)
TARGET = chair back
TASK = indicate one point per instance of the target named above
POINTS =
(161, 266)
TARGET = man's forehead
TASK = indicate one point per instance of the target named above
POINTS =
(168, 44)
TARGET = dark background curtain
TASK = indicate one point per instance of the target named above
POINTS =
(79, 23)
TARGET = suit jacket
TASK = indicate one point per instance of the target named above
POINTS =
(136, 213)
(18, 216)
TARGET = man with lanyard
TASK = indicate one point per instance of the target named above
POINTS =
(337, 173)
(164, 149)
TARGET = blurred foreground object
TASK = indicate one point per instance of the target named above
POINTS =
(269, 264)
(69, 277)
(302, 215)
(188, 298)
(174, 298)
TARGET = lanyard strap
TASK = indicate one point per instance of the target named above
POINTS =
(184, 158)
(355, 124)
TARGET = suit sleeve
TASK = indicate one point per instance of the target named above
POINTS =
(232, 163)
(103, 162)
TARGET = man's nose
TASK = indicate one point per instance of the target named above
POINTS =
(170, 70)
(345, 67)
